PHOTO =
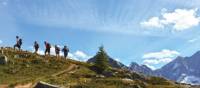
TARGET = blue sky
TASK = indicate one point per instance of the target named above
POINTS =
(151, 32)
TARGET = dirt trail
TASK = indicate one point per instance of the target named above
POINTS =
(70, 68)
(4, 86)
(30, 85)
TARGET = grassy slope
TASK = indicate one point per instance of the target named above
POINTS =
(25, 67)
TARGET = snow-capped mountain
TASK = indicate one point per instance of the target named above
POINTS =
(183, 69)
(189, 79)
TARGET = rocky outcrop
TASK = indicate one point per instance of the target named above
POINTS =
(45, 85)
(3, 59)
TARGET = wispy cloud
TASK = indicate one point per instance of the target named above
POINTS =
(83, 15)
(162, 54)
(194, 39)
(180, 19)
(162, 57)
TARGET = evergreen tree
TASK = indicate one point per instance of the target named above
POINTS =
(101, 62)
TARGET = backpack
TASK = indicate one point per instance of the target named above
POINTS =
(48, 45)
(57, 49)
(36, 45)
(67, 49)
(20, 41)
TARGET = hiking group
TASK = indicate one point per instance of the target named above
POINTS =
(36, 46)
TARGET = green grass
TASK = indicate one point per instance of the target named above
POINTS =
(29, 68)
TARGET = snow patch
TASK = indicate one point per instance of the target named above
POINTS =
(189, 79)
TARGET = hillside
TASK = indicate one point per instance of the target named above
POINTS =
(26, 69)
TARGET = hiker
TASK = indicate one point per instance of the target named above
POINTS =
(48, 48)
(57, 50)
(18, 43)
(17, 40)
(65, 50)
(36, 46)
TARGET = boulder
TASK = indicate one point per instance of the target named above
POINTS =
(108, 74)
(100, 76)
(3, 59)
(45, 85)
(16, 56)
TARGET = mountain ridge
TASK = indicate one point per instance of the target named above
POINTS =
(183, 68)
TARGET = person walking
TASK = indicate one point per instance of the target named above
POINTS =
(57, 51)
(18, 43)
(48, 48)
(36, 47)
(17, 40)
(65, 50)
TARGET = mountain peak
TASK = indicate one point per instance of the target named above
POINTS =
(188, 66)
(197, 54)
(134, 64)
(113, 63)
(144, 66)
(140, 68)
